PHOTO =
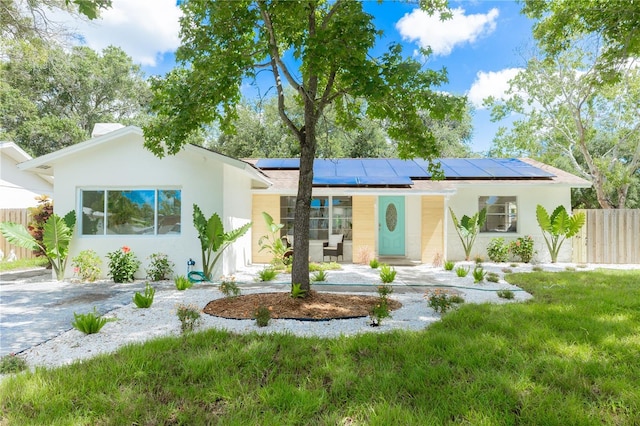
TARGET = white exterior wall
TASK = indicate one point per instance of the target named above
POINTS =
(413, 227)
(236, 213)
(125, 164)
(18, 189)
(529, 195)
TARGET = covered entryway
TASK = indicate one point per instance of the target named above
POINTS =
(391, 226)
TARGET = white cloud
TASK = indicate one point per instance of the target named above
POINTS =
(144, 29)
(443, 36)
(491, 84)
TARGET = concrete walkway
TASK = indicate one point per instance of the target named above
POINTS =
(34, 308)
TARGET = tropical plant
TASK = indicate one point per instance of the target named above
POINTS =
(160, 267)
(478, 274)
(468, 228)
(272, 242)
(373, 263)
(267, 274)
(213, 239)
(448, 265)
(461, 271)
(319, 276)
(38, 217)
(56, 239)
(522, 247)
(297, 292)
(182, 283)
(558, 227)
(498, 250)
(89, 323)
(87, 265)
(123, 264)
(387, 273)
(144, 300)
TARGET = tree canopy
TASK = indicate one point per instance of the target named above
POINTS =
(51, 98)
(568, 119)
(323, 50)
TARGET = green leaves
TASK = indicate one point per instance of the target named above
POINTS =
(18, 235)
(558, 227)
(468, 228)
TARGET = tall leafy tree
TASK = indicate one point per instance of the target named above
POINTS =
(569, 119)
(323, 51)
(51, 98)
(560, 22)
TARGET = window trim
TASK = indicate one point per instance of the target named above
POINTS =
(505, 214)
(329, 219)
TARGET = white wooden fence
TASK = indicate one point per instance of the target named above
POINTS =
(609, 236)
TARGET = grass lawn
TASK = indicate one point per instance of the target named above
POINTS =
(23, 264)
(568, 357)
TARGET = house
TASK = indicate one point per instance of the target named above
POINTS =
(392, 208)
(124, 195)
(18, 189)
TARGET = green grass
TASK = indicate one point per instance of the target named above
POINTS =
(568, 357)
(38, 262)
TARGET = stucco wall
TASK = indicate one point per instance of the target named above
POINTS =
(125, 164)
(465, 201)
(18, 188)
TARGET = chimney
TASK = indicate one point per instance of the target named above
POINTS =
(101, 129)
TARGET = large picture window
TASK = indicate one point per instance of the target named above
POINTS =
(131, 212)
(329, 215)
(502, 214)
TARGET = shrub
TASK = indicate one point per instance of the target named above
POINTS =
(160, 267)
(262, 315)
(319, 276)
(87, 265)
(523, 248)
(12, 363)
(479, 260)
(506, 294)
(448, 265)
(267, 274)
(373, 263)
(387, 273)
(461, 271)
(493, 277)
(378, 312)
(498, 250)
(123, 264)
(182, 282)
(478, 274)
(89, 323)
(189, 316)
(297, 292)
(442, 300)
(537, 268)
(228, 286)
(144, 300)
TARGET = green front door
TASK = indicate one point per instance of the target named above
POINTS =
(391, 226)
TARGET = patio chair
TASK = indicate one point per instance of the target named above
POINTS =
(333, 247)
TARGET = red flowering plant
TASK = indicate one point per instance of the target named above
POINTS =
(123, 264)
(523, 248)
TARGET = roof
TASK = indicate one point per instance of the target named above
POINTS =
(19, 155)
(46, 163)
(411, 176)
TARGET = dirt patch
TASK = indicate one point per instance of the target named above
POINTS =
(316, 305)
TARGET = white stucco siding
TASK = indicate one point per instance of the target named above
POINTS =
(529, 195)
(236, 213)
(18, 189)
(125, 164)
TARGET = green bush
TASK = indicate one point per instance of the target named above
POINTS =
(461, 271)
(160, 267)
(12, 364)
(262, 315)
(373, 263)
(387, 273)
(228, 287)
(506, 294)
(498, 250)
(523, 248)
(478, 274)
(297, 292)
(189, 316)
(182, 282)
(267, 274)
(86, 265)
(319, 276)
(442, 300)
(123, 264)
(493, 277)
(449, 265)
(144, 300)
(89, 323)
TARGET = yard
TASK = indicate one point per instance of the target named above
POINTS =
(569, 356)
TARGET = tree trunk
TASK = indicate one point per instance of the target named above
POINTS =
(300, 268)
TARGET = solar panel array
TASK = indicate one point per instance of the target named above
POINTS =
(396, 172)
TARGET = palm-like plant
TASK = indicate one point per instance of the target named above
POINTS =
(558, 227)
(56, 238)
(468, 228)
(213, 239)
(272, 242)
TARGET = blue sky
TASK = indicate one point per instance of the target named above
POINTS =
(481, 47)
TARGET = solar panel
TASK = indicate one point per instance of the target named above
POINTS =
(361, 181)
(278, 163)
(378, 167)
(349, 167)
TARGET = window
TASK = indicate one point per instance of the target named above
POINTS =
(131, 212)
(502, 214)
(329, 215)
